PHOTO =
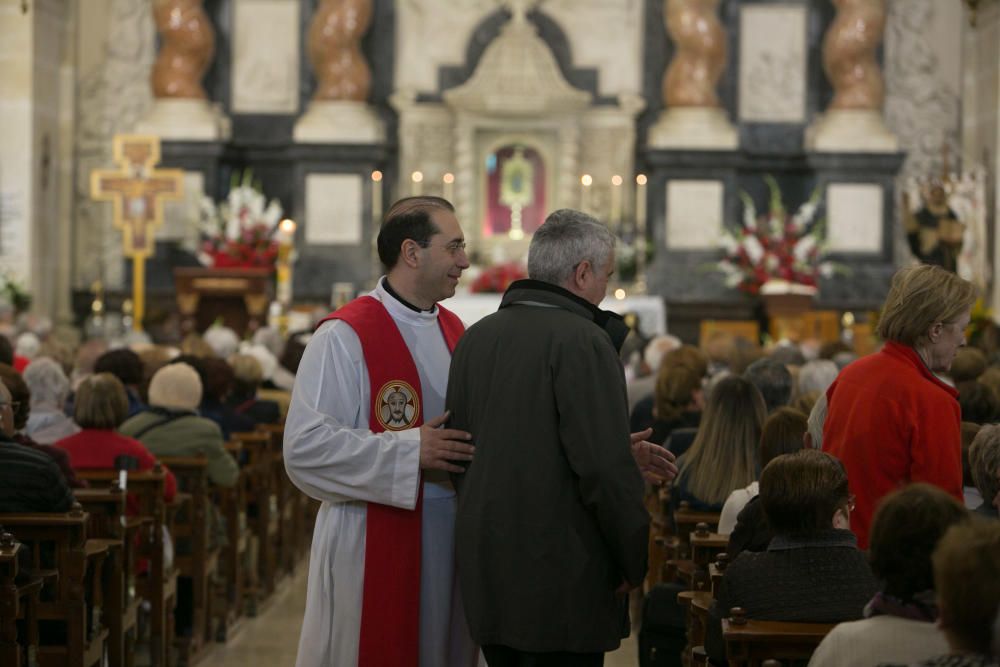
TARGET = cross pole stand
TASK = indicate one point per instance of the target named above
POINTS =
(137, 192)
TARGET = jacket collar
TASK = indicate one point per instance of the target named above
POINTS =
(546, 294)
(909, 355)
(833, 537)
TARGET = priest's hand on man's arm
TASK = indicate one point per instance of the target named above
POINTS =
(655, 463)
(440, 446)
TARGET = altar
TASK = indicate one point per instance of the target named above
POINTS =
(650, 310)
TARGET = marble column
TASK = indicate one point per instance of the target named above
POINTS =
(853, 121)
(339, 111)
(181, 110)
(693, 117)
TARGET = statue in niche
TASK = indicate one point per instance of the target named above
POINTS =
(694, 71)
(515, 192)
(934, 231)
(188, 43)
(849, 54)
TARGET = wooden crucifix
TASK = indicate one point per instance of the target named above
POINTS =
(137, 192)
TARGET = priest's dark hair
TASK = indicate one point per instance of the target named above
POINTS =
(408, 218)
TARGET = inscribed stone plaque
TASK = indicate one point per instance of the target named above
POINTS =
(854, 217)
(773, 61)
(333, 209)
(265, 55)
(694, 214)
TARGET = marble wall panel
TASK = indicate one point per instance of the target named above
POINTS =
(694, 214)
(773, 62)
(854, 217)
(334, 209)
(265, 56)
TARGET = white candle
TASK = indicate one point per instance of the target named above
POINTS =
(640, 205)
(283, 268)
(585, 182)
(448, 187)
(616, 200)
(377, 198)
(417, 178)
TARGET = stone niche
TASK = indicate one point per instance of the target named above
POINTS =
(511, 141)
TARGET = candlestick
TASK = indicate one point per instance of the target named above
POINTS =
(283, 266)
(616, 200)
(585, 182)
(376, 223)
(417, 178)
(640, 205)
(448, 187)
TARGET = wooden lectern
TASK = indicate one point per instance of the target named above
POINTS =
(239, 297)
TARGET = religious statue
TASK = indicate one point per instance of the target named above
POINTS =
(934, 231)
(694, 72)
(335, 49)
(188, 43)
(849, 54)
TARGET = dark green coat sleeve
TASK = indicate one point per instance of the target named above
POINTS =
(594, 433)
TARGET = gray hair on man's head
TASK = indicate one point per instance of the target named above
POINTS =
(47, 383)
(566, 239)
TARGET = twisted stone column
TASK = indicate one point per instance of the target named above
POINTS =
(181, 109)
(338, 112)
(335, 50)
(187, 46)
(693, 117)
(853, 122)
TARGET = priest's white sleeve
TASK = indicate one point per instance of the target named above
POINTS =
(330, 453)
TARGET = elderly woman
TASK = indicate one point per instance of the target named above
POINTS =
(890, 419)
(171, 425)
(899, 623)
(101, 406)
(49, 388)
(984, 462)
(812, 571)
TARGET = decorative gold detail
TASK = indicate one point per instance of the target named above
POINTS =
(220, 284)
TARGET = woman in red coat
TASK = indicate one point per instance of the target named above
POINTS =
(101, 406)
(890, 420)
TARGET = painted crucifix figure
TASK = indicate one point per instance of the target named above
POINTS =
(137, 192)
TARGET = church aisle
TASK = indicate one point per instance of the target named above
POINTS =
(271, 639)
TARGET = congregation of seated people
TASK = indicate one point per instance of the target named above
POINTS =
(79, 422)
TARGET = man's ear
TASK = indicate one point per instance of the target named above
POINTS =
(409, 252)
(580, 274)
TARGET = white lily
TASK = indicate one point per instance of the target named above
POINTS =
(755, 251)
(804, 247)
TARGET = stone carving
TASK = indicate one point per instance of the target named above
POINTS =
(849, 54)
(335, 50)
(700, 59)
(188, 44)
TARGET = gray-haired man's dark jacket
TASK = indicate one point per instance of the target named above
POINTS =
(550, 514)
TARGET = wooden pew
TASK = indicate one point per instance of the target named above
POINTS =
(107, 520)
(18, 602)
(750, 642)
(292, 510)
(157, 580)
(196, 551)
(72, 600)
(262, 500)
(239, 578)
(679, 564)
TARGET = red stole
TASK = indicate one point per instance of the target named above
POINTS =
(390, 610)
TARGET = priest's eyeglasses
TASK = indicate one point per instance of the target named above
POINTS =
(454, 247)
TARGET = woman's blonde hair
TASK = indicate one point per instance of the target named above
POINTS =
(919, 297)
(100, 402)
(679, 377)
(724, 454)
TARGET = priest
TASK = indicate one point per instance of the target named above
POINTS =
(366, 435)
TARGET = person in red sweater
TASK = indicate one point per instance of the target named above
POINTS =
(101, 405)
(890, 420)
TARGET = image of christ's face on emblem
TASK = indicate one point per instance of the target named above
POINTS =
(397, 406)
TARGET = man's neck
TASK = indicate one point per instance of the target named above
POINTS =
(406, 295)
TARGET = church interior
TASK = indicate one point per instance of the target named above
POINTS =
(206, 180)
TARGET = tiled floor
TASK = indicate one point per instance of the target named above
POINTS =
(271, 639)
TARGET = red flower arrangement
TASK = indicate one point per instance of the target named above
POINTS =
(239, 232)
(496, 279)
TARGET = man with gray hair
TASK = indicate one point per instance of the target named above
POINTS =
(551, 532)
(773, 380)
